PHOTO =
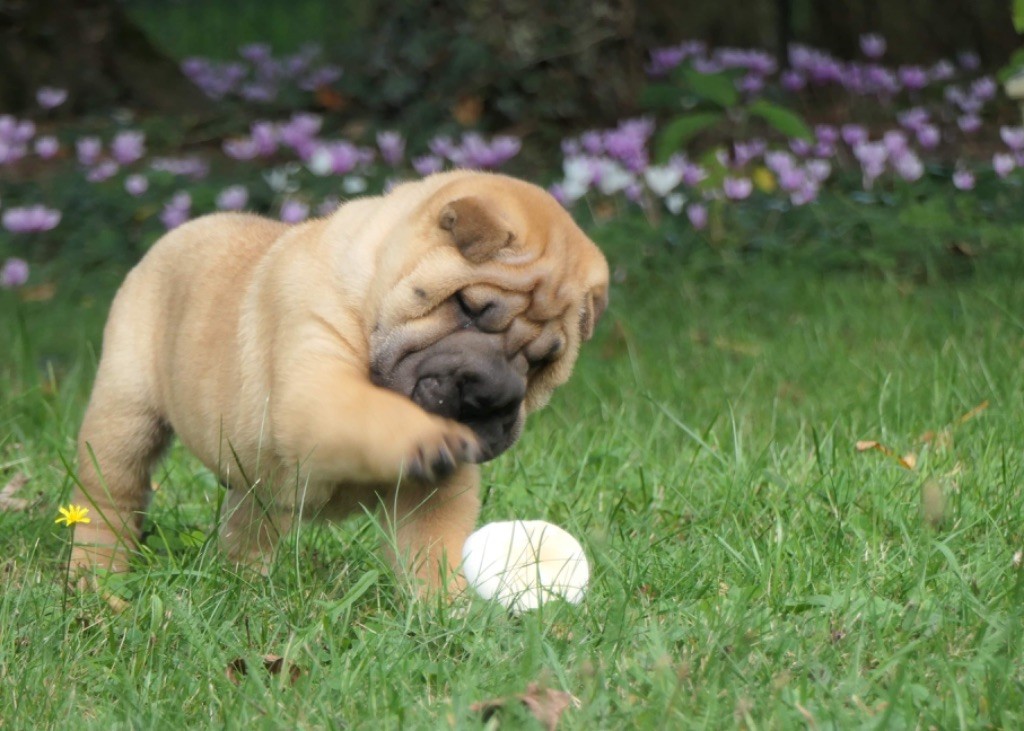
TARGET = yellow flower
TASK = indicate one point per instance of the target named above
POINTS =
(764, 180)
(73, 514)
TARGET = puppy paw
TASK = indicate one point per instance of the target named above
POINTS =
(438, 453)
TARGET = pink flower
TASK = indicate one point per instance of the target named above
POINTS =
(737, 188)
(969, 123)
(392, 147)
(427, 164)
(1013, 137)
(50, 97)
(293, 211)
(963, 179)
(698, 215)
(241, 148)
(177, 210)
(104, 171)
(30, 219)
(1003, 164)
(14, 273)
(136, 185)
(872, 45)
(128, 146)
(89, 150)
(908, 166)
(928, 136)
(47, 147)
(233, 198)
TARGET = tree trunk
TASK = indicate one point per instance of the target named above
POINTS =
(92, 49)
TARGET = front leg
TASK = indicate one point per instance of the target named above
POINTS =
(338, 427)
(428, 525)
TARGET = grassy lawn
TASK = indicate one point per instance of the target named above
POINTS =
(749, 565)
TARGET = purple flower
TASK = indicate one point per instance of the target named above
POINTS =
(442, 146)
(322, 76)
(50, 97)
(233, 198)
(693, 174)
(791, 179)
(664, 60)
(751, 83)
(807, 193)
(963, 179)
(698, 215)
(328, 206)
(89, 150)
(177, 210)
(258, 92)
(744, 152)
(128, 146)
(913, 77)
(255, 52)
(336, 158)
(14, 273)
(104, 171)
(872, 157)
(853, 134)
(47, 147)
(30, 219)
(928, 136)
(872, 45)
(984, 88)
(818, 170)
(792, 80)
(427, 164)
(264, 136)
(242, 148)
(801, 146)
(913, 119)
(1003, 164)
(299, 133)
(392, 147)
(968, 60)
(737, 188)
(136, 185)
(969, 123)
(942, 71)
(1013, 137)
(627, 143)
(908, 166)
(895, 141)
(293, 211)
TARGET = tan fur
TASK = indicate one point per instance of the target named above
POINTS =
(251, 341)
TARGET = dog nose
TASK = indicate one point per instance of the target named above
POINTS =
(490, 392)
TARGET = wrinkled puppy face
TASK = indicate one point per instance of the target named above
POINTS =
(494, 287)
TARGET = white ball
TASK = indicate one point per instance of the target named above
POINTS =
(524, 563)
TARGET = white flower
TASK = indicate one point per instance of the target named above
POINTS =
(612, 177)
(320, 162)
(524, 563)
(353, 184)
(674, 203)
(662, 179)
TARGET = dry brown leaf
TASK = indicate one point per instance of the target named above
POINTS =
(273, 664)
(40, 293)
(973, 412)
(468, 110)
(7, 499)
(330, 99)
(544, 704)
(907, 461)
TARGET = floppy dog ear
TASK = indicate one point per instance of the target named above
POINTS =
(594, 305)
(477, 229)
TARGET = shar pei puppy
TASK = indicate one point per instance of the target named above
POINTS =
(368, 359)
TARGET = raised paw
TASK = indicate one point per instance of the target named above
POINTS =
(438, 455)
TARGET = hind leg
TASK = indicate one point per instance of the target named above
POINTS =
(120, 440)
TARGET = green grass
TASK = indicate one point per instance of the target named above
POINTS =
(749, 566)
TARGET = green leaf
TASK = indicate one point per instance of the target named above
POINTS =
(660, 96)
(717, 88)
(783, 120)
(1018, 15)
(676, 133)
(1013, 67)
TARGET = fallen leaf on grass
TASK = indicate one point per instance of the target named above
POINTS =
(907, 461)
(545, 704)
(7, 499)
(330, 99)
(933, 503)
(273, 664)
(40, 293)
(973, 412)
